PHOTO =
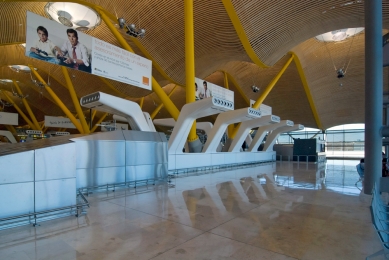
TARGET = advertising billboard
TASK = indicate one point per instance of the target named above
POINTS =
(205, 89)
(55, 43)
(8, 118)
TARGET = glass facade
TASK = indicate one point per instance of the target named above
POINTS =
(341, 141)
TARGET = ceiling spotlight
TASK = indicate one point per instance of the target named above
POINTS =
(131, 29)
(122, 22)
(254, 88)
(340, 73)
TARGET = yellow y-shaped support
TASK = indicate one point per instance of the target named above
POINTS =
(28, 121)
(241, 33)
(266, 91)
(99, 122)
(27, 106)
(76, 103)
(171, 108)
(155, 112)
(272, 84)
(307, 90)
(58, 101)
(142, 100)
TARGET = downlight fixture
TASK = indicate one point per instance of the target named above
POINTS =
(21, 68)
(72, 15)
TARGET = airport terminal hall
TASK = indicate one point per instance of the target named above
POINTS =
(194, 129)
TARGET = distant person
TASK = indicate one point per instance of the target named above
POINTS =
(74, 54)
(44, 49)
(206, 93)
(385, 168)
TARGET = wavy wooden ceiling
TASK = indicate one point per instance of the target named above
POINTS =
(273, 28)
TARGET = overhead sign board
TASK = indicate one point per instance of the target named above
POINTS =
(265, 110)
(62, 122)
(52, 42)
(8, 118)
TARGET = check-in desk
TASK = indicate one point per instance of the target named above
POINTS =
(120, 157)
(37, 176)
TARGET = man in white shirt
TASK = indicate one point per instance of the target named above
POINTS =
(206, 92)
(44, 49)
(74, 54)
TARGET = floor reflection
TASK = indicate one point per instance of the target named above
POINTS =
(282, 210)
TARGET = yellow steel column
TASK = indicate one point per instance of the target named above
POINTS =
(155, 112)
(171, 108)
(58, 101)
(75, 100)
(307, 90)
(142, 100)
(28, 121)
(27, 106)
(266, 91)
(189, 61)
(99, 122)
(272, 84)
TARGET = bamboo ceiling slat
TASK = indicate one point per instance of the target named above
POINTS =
(272, 27)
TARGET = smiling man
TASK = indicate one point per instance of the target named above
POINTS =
(74, 54)
(43, 48)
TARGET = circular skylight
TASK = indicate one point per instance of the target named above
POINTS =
(339, 35)
(73, 15)
(21, 68)
(6, 80)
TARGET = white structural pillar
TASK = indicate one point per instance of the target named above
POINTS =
(189, 113)
(222, 122)
(118, 106)
(9, 135)
(170, 122)
(146, 116)
(271, 139)
(246, 126)
(262, 131)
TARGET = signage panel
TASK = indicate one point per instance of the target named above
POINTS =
(55, 43)
(8, 118)
(63, 122)
(265, 110)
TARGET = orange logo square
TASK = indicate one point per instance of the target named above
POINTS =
(145, 80)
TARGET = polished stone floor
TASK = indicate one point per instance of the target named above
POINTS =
(275, 211)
